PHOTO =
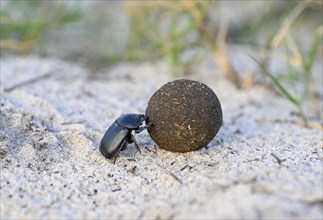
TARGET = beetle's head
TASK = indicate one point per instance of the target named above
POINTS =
(131, 121)
(141, 118)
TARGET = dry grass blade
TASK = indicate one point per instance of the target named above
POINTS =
(287, 23)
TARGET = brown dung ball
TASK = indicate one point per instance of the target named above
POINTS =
(185, 115)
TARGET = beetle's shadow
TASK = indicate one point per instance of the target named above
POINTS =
(130, 151)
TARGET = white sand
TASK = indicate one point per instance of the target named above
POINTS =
(51, 166)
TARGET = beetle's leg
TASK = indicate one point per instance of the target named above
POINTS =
(135, 142)
(140, 129)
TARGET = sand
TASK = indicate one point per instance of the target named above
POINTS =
(261, 165)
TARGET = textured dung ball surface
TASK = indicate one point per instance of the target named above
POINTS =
(186, 115)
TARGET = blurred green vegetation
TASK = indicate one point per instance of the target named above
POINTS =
(165, 30)
(179, 32)
(175, 31)
(23, 23)
(296, 85)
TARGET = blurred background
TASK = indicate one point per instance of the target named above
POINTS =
(282, 39)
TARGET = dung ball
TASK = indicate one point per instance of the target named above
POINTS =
(185, 115)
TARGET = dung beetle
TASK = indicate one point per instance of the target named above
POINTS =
(119, 134)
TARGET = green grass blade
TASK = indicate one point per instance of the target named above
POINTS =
(279, 86)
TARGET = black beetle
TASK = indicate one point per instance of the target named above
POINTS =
(119, 134)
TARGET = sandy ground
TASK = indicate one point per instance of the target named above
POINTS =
(262, 164)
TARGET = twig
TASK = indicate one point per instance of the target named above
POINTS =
(279, 161)
(116, 190)
(30, 81)
(183, 168)
(170, 173)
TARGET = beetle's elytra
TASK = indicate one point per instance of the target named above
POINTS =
(119, 134)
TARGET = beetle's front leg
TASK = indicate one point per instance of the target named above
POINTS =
(140, 129)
